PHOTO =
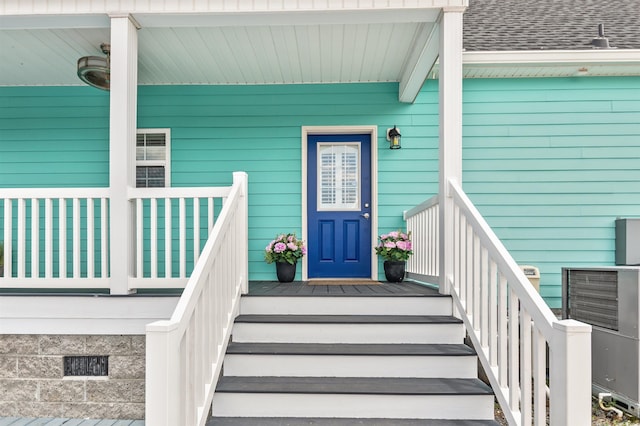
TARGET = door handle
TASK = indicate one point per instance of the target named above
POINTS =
(366, 215)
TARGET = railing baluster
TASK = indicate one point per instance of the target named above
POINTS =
(493, 315)
(539, 379)
(48, 238)
(182, 227)
(76, 238)
(62, 237)
(196, 230)
(484, 304)
(8, 238)
(503, 332)
(167, 238)
(21, 246)
(139, 238)
(525, 366)
(104, 241)
(90, 238)
(476, 286)
(513, 352)
(154, 237)
(35, 238)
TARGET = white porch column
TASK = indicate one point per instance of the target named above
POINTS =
(122, 139)
(450, 148)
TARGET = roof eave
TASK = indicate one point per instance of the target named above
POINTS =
(549, 63)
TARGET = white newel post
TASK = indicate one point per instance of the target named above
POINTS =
(122, 139)
(450, 148)
(242, 178)
(570, 374)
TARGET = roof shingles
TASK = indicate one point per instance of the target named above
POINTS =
(492, 25)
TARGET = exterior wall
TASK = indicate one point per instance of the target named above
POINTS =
(257, 129)
(32, 383)
(550, 162)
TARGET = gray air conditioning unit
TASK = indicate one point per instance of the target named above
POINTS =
(607, 298)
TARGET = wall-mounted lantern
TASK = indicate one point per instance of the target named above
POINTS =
(393, 136)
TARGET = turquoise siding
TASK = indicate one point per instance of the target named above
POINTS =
(550, 162)
(218, 130)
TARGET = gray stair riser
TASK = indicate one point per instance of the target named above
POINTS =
(347, 333)
(350, 366)
(353, 406)
(346, 305)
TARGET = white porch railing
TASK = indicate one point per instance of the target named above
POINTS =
(508, 322)
(165, 219)
(185, 353)
(59, 237)
(55, 238)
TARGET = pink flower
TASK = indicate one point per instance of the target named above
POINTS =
(292, 246)
(280, 247)
(390, 244)
(404, 245)
(393, 234)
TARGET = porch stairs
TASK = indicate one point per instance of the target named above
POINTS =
(349, 359)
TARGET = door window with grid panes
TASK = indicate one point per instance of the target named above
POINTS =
(152, 158)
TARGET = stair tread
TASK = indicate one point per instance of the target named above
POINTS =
(349, 319)
(289, 421)
(353, 385)
(350, 349)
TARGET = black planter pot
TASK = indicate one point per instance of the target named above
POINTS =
(394, 270)
(286, 272)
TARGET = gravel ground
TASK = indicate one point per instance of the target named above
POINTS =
(599, 417)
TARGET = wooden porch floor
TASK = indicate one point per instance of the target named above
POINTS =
(308, 288)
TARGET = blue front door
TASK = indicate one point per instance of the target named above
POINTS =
(339, 206)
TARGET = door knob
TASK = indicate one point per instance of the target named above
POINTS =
(366, 215)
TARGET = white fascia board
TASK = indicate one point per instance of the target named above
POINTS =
(80, 314)
(43, 7)
(552, 57)
(287, 17)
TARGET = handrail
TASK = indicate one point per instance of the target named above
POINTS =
(510, 325)
(185, 353)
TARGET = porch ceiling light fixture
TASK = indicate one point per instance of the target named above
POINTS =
(393, 136)
(96, 70)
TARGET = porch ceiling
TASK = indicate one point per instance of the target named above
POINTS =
(286, 47)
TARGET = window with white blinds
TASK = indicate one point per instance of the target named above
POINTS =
(338, 176)
(152, 158)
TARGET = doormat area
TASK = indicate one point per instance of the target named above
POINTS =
(344, 282)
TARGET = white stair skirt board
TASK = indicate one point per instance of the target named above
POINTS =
(350, 366)
(347, 333)
(346, 305)
(354, 406)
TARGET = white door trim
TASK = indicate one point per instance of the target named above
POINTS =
(343, 130)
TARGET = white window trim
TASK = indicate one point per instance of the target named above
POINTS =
(167, 161)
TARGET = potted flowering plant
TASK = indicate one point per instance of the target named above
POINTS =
(285, 250)
(395, 248)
